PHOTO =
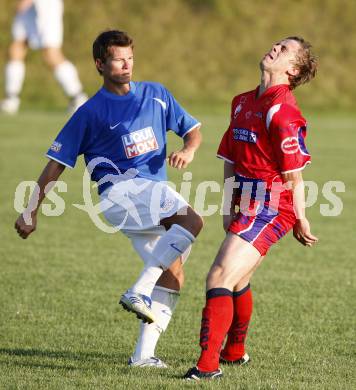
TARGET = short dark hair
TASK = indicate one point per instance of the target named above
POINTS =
(306, 63)
(107, 39)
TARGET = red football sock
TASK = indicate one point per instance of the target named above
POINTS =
(235, 345)
(216, 320)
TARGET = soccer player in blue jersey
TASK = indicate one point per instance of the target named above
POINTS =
(122, 133)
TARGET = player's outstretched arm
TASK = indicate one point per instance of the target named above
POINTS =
(27, 221)
(182, 158)
(301, 228)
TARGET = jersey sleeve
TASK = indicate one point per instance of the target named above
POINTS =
(225, 150)
(177, 119)
(287, 130)
(72, 140)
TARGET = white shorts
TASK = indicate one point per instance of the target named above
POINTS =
(138, 205)
(41, 25)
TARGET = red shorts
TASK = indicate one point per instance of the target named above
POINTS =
(265, 226)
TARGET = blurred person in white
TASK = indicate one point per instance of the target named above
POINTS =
(38, 24)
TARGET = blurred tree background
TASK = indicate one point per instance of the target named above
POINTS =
(204, 51)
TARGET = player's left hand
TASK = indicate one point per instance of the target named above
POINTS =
(181, 159)
(25, 226)
(301, 232)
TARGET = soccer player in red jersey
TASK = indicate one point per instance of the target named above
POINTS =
(264, 154)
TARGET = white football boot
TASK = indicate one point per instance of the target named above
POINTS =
(10, 105)
(139, 304)
(149, 362)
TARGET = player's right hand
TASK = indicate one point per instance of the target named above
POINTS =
(25, 229)
(181, 159)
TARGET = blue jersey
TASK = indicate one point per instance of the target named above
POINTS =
(129, 130)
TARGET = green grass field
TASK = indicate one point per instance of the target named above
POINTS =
(60, 326)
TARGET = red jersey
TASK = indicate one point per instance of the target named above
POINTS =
(266, 135)
(265, 139)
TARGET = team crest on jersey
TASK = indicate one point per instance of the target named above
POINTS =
(245, 135)
(56, 146)
(139, 142)
(248, 114)
(290, 145)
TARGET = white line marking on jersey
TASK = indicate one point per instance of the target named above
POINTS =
(161, 102)
(270, 114)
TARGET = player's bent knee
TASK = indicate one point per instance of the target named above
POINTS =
(17, 51)
(219, 276)
(242, 284)
(53, 57)
(198, 224)
(215, 273)
(189, 220)
(194, 222)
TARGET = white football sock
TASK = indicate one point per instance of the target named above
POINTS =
(164, 301)
(67, 76)
(169, 247)
(14, 77)
(147, 280)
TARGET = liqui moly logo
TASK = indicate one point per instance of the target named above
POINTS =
(139, 142)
